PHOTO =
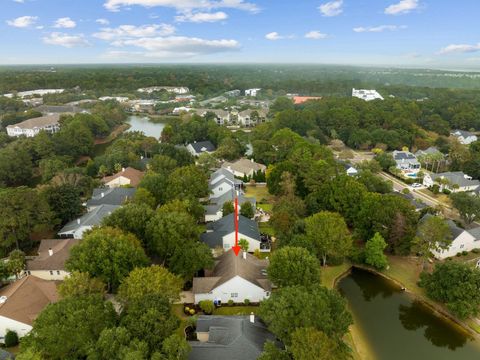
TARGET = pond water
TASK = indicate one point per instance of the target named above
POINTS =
(143, 123)
(398, 327)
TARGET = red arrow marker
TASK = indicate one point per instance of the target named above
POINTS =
(236, 248)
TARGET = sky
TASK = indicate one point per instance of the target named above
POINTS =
(418, 33)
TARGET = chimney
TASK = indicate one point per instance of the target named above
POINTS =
(50, 252)
(252, 160)
(78, 221)
(123, 169)
(244, 255)
(252, 317)
(102, 194)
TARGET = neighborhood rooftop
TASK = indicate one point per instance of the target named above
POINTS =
(111, 196)
(38, 122)
(218, 229)
(92, 218)
(52, 254)
(134, 175)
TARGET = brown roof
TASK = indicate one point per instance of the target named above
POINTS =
(244, 165)
(26, 298)
(38, 122)
(61, 252)
(134, 175)
(228, 266)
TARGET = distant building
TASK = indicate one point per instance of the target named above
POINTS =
(297, 100)
(199, 147)
(244, 167)
(127, 177)
(233, 93)
(234, 278)
(33, 102)
(120, 99)
(221, 117)
(110, 196)
(172, 89)
(367, 95)
(252, 117)
(432, 150)
(31, 127)
(252, 92)
(455, 181)
(51, 259)
(464, 137)
(406, 161)
(39, 92)
(22, 301)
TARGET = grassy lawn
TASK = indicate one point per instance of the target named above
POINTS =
(407, 271)
(262, 196)
(330, 273)
(235, 310)
(178, 310)
(265, 228)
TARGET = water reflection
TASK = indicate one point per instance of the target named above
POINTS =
(372, 285)
(417, 316)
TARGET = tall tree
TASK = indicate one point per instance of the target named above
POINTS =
(81, 284)
(433, 234)
(309, 343)
(374, 255)
(64, 201)
(468, 206)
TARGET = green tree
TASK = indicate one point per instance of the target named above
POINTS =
(156, 184)
(374, 255)
(329, 235)
(78, 321)
(433, 234)
(154, 280)
(293, 266)
(468, 206)
(16, 262)
(207, 306)
(162, 164)
(309, 343)
(292, 307)
(116, 343)
(244, 244)
(385, 160)
(175, 347)
(108, 254)
(81, 284)
(187, 182)
(455, 284)
(272, 352)
(64, 200)
(16, 166)
(143, 196)
(247, 210)
(11, 339)
(228, 208)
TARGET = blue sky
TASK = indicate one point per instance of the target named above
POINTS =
(423, 33)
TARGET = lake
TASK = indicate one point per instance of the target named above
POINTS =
(143, 123)
(397, 327)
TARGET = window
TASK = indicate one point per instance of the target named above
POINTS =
(220, 189)
(51, 272)
(234, 295)
(58, 272)
(462, 246)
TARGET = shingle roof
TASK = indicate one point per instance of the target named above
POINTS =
(456, 178)
(111, 196)
(26, 298)
(432, 150)
(56, 261)
(228, 266)
(38, 122)
(218, 229)
(244, 166)
(463, 133)
(203, 146)
(92, 218)
(216, 204)
(231, 337)
(58, 109)
(134, 175)
(417, 204)
(220, 175)
(454, 228)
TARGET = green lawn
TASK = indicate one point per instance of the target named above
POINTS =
(262, 196)
(407, 271)
(330, 273)
(235, 310)
(266, 228)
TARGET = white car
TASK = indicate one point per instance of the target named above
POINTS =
(416, 185)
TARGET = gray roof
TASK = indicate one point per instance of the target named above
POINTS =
(38, 122)
(111, 196)
(218, 229)
(220, 175)
(5, 355)
(463, 133)
(203, 146)
(216, 204)
(432, 150)
(454, 228)
(475, 232)
(91, 218)
(417, 204)
(48, 109)
(456, 178)
(230, 337)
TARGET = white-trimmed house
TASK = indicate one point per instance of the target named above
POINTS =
(234, 278)
(199, 147)
(214, 210)
(464, 137)
(244, 167)
(455, 181)
(223, 181)
(31, 127)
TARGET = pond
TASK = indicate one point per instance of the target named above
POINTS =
(397, 327)
(143, 123)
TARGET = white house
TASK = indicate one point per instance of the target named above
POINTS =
(199, 147)
(251, 117)
(464, 137)
(455, 181)
(120, 99)
(76, 228)
(252, 92)
(234, 278)
(406, 162)
(214, 210)
(32, 127)
(221, 233)
(367, 95)
(22, 301)
(244, 167)
(223, 181)
(222, 117)
(173, 89)
(50, 262)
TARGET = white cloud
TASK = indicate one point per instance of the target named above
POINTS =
(65, 22)
(201, 17)
(332, 8)
(380, 28)
(403, 7)
(39, 27)
(276, 36)
(315, 35)
(178, 47)
(65, 40)
(102, 21)
(183, 5)
(23, 21)
(132, 31)
(460, 48)
(19, 1)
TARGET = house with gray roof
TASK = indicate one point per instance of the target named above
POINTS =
(406, 161)
(76, 228)
(234, 278)
(199, 147)
(213, 211)
(110, 196)
(31, 127)
(221, 233)
(244, 167)
(222, 181)
(464, 137)
(221, 117)
(230, 337)
(419, 206)
(455, 181)
(431, 151)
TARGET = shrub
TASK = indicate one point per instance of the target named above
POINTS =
(186, 310)
(435, 188)
(476, 251)
(446, 191)
(464, 253)
(246, 302)
(192, 312)
(230, 302)
(207, 306)
(11, 338)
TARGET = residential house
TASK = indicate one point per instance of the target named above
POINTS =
(233, 93)
(244, 167)
(22, 301)
(220, 234)
(143, 106)
(199, 147)
(234, 278)
(462, 240)
(110, 196)
(172, 89)
(406, 162)
(252, 92)
(221, 117)
(230, 337)
(75, 229)
(366, 95)
(214, 210)
(431, 151)
(297, 100)
(464, 137)
(223, 181)
(40, 92)
(349, 168)
(127, 177)
(49, 264)
(180, 110)
(31, 127)
(120, 99)
(251, 117)
(455, 181)
(418, 205)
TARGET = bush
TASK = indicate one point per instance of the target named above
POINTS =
(435, 189)
(230, 302)
(192, 312)
(11, 338)
(207, 306)
(446, 191)
(464, 253)
(246, 302)
(476, 251)
(458, 254)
